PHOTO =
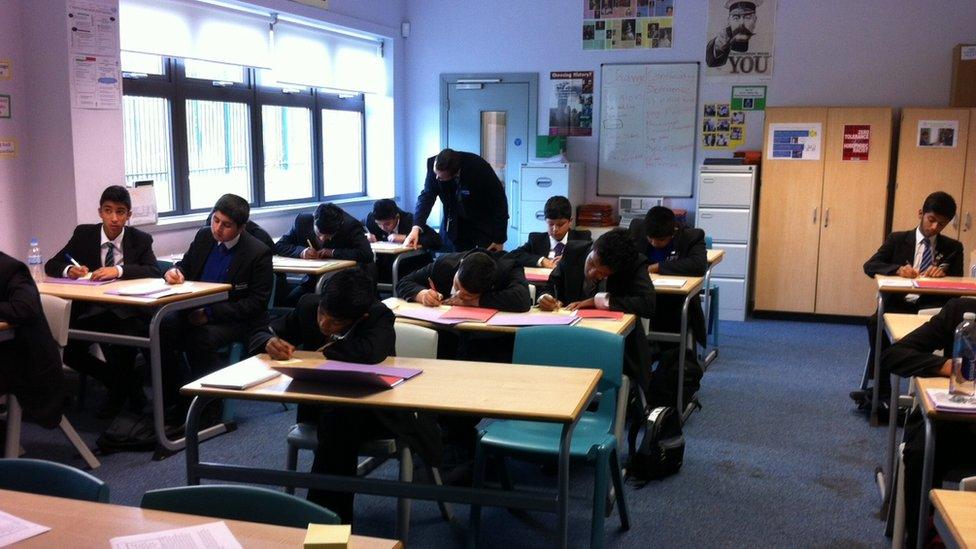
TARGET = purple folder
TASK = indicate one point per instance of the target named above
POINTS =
(334, 371)
(531, 319)
(429, 314)
(77, 281)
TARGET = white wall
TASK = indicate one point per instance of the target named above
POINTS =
(13, 181)
(828, 52)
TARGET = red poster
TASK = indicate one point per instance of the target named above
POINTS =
(857, 142)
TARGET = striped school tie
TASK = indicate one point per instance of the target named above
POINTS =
(109, 255)
(926, 256)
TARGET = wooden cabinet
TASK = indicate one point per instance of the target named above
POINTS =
(820, 219)
(967, 206)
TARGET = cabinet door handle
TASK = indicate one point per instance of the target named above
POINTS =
(543, 182)
(706, 216)
(814, 215)
(969, 221)
(826, 217)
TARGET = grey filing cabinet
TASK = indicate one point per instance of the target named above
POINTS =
(537, 183)
(726, 212)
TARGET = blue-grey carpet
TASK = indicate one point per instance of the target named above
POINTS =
(775, 458)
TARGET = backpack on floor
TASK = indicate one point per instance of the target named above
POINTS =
(656, 445)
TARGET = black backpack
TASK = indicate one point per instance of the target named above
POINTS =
(656, 445)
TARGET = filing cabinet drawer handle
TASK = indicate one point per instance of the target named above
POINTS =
(706, 216)
(708, 180)
(543, 182)
(540, 215)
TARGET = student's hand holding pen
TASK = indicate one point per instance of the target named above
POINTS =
(907, 271)
(174, 276)
(430, 297)
(77, 272)
(106, 273)
(548, 303)
(935, 271)
(277, 348)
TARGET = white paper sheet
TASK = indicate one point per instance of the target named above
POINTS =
(14, 529)
(213, 535)
(670, 282)
(897, 283)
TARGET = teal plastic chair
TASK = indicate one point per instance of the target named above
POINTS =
(51, 479)
(712, 320)
(593, 438)
(235, 502)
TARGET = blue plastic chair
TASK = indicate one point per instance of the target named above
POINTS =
(235, 502)
(51, 479)
(593, 437)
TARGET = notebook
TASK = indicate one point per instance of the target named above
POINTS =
(669, 282)
(348, 373)
(241, 376)
(473, 314)
(87, 281)
(429, 314)
(945, 285)
(532, 319)
(599, 314)
(943, 402)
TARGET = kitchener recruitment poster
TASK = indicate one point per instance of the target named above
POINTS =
(740, 39)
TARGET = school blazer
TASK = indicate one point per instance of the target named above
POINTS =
(30, 363)
(85, 245)
(250, 276)
(537, 247)
(509, 290)
(912, 355)
(899, 249)
(349, 242)
(371, 341)
(429, 239)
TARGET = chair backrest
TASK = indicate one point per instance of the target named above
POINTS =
(235, 502)
(51, 479)
(708, 242)
(415, 341)
(576, 347)
(57, 311)
(164, 265)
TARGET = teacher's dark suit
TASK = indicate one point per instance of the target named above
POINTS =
(343, 430)
(537, 246)
(250, 276)
(429, 241)
(474, 205)
(688, 258)
(349, 242)
(630, 291)
(898, 250)
(912, 356)
(30, 363)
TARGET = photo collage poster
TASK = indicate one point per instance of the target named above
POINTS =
(571, 110)
(627, 24)
(722, 127)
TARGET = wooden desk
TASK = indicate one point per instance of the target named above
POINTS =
(955, 517)
(715, 257)
(82, 524)
(202, 293)
(620, 327)
(932, 415)
(691, 287)
(899, 325)
(293, 265)
(399, 254)
(539, 393)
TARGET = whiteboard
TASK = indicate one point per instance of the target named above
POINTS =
(648, 122)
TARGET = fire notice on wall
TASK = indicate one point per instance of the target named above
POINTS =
(857, 142)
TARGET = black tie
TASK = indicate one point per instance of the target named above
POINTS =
(109, 255)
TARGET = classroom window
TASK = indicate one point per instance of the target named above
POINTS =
(138, 64)
(342, 152)
(218, 150)
(287, 153)
(148, 151)
(215, 72)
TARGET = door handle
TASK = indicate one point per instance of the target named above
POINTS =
(516, 204)
(708, 180)
(814, 215)
(826, 218)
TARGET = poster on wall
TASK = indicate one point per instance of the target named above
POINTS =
(8, 147)
(749, 98)
(794, 141)
(627, 24)
(740, 38)
(857, 142)
(96, 82)
(93, 27)
(4, 106)
(936, 134)
(571, 109)
(722, 127)
(6, 69)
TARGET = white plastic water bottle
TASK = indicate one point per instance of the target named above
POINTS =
(35, 262)
(962, 382)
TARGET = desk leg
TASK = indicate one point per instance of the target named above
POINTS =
(927, 465)
(682, 350)
(193, 439)
(708, 355)
(563, 489)
(876, 390)
(889, 464)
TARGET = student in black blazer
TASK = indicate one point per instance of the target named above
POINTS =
(473, 200)
(906, 254)
(607, 274)
(546, 249)
(912, 356)
(108, 250)
(354, 327)
(30, 364)
(329, 233)
(224, 253)
(388, 223)
(470, 279)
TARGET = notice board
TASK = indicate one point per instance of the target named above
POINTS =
(648, 122)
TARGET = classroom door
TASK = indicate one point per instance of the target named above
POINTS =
(491, 118)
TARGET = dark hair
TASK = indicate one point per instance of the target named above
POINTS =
(384, 209)
(448, 161)
(615, 249)
(940, 203)
(234, 207)
(328, 218)
(659, 222)
(348, 295)
(117, 194)
(476, 272)
(558, 207)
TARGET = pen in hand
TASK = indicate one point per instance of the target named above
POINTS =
(72, 260)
